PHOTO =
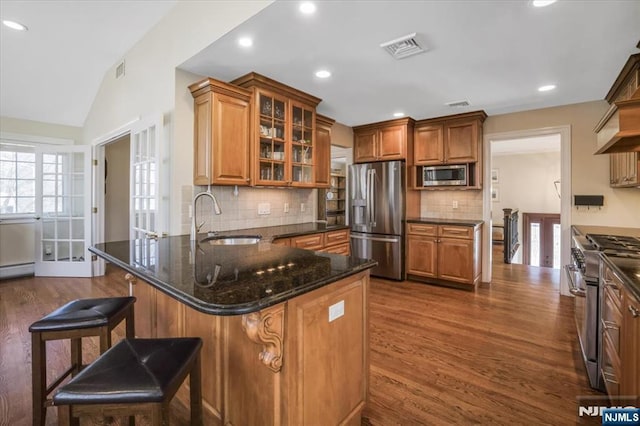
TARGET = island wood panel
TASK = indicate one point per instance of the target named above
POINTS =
(144, 308)
(210, 330)
(327, 359)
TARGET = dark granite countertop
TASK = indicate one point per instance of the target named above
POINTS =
(229, 280)
(270, 233)
(461, 222)
(628, 270)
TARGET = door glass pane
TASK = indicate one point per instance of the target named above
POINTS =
(62, 253)
(48, 229)
(556, 246)
(77, 229)
(78, 251)
(47, 251)
(63, 230)
(535, 245)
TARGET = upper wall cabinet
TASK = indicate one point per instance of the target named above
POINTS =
(283, 133)
(454, 139)
(323, 151)
(388, 140)
(221, 133)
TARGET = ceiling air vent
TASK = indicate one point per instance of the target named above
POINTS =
(120, 70)
(458, 104)
(403, 47)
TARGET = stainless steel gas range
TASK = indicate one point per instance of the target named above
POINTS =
(585, 283)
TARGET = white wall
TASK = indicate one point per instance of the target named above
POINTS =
(149, 86)
(526, 183)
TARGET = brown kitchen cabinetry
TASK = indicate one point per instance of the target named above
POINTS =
(337, 241)
(323, 151)
(384, 141)
(444, 253)
(620, 325)
(455, 139)
(624, 169)
(221, 133)
(283, 134)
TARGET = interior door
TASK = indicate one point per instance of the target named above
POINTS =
(146, 200)
(146, 220)
(63, 202)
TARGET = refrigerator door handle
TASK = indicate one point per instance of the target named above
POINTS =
(373, 197)
(384, 240)
(368, 212)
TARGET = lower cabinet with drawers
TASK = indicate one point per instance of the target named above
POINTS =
(620, 325)
(329, 242)
(444, 254)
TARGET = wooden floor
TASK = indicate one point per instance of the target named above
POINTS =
(505, 354)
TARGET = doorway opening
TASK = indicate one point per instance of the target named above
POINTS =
(116, 189)
(527, 172)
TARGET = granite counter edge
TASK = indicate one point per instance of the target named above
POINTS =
(229, 310)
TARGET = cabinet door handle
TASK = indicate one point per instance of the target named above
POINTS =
(610, 325)
(634, 311)
(608, 377)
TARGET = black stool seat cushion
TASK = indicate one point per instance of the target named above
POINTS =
(82, 313)
(133, 371)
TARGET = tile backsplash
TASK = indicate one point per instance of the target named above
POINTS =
(439, 204)
(241, 211)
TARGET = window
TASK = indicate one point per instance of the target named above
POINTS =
(17, 179)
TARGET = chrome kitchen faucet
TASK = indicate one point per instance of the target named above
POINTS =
(195, 228)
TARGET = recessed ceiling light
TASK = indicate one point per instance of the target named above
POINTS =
(398, 114)
(542, 3)
(14, 25)
(245, 41)
(323, 74)
(307, 7)
(546, 88)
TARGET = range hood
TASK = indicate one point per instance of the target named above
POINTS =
(627, 137)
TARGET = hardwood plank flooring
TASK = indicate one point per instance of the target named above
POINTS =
(505, 354)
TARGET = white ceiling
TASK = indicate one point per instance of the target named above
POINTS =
(493, 53)
(52, 72)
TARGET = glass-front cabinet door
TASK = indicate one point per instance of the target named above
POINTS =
(302, 145)
(272, 150)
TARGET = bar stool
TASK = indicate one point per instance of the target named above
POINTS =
(134, 377)
(75, 320)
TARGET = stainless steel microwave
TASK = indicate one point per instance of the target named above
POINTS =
(452, 175)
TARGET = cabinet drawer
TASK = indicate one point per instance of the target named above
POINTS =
(343, 249)
(612, 286)
(308, 242)
(464, 232)
(422, 229)
(336, 237)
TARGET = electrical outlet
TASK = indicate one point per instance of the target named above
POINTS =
(336, 310)
(302, 207)
(455, 204)
(264, 208)
(286, 207)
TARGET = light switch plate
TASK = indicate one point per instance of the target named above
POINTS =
(336, 310)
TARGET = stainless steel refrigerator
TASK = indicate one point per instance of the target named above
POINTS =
(376, 209)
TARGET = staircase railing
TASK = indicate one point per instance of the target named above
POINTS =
(511, 243)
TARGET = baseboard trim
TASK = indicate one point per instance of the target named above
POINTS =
(14, 271)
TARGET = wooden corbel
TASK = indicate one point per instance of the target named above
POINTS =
(266, 328)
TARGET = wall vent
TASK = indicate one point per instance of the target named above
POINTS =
(403, 47)
(458, 104)
(120, 70)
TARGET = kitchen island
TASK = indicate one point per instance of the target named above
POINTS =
(285, 330)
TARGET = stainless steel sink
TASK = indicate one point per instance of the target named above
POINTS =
(232, 240)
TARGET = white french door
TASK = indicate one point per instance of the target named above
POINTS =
(63, 203)
(146, 218)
